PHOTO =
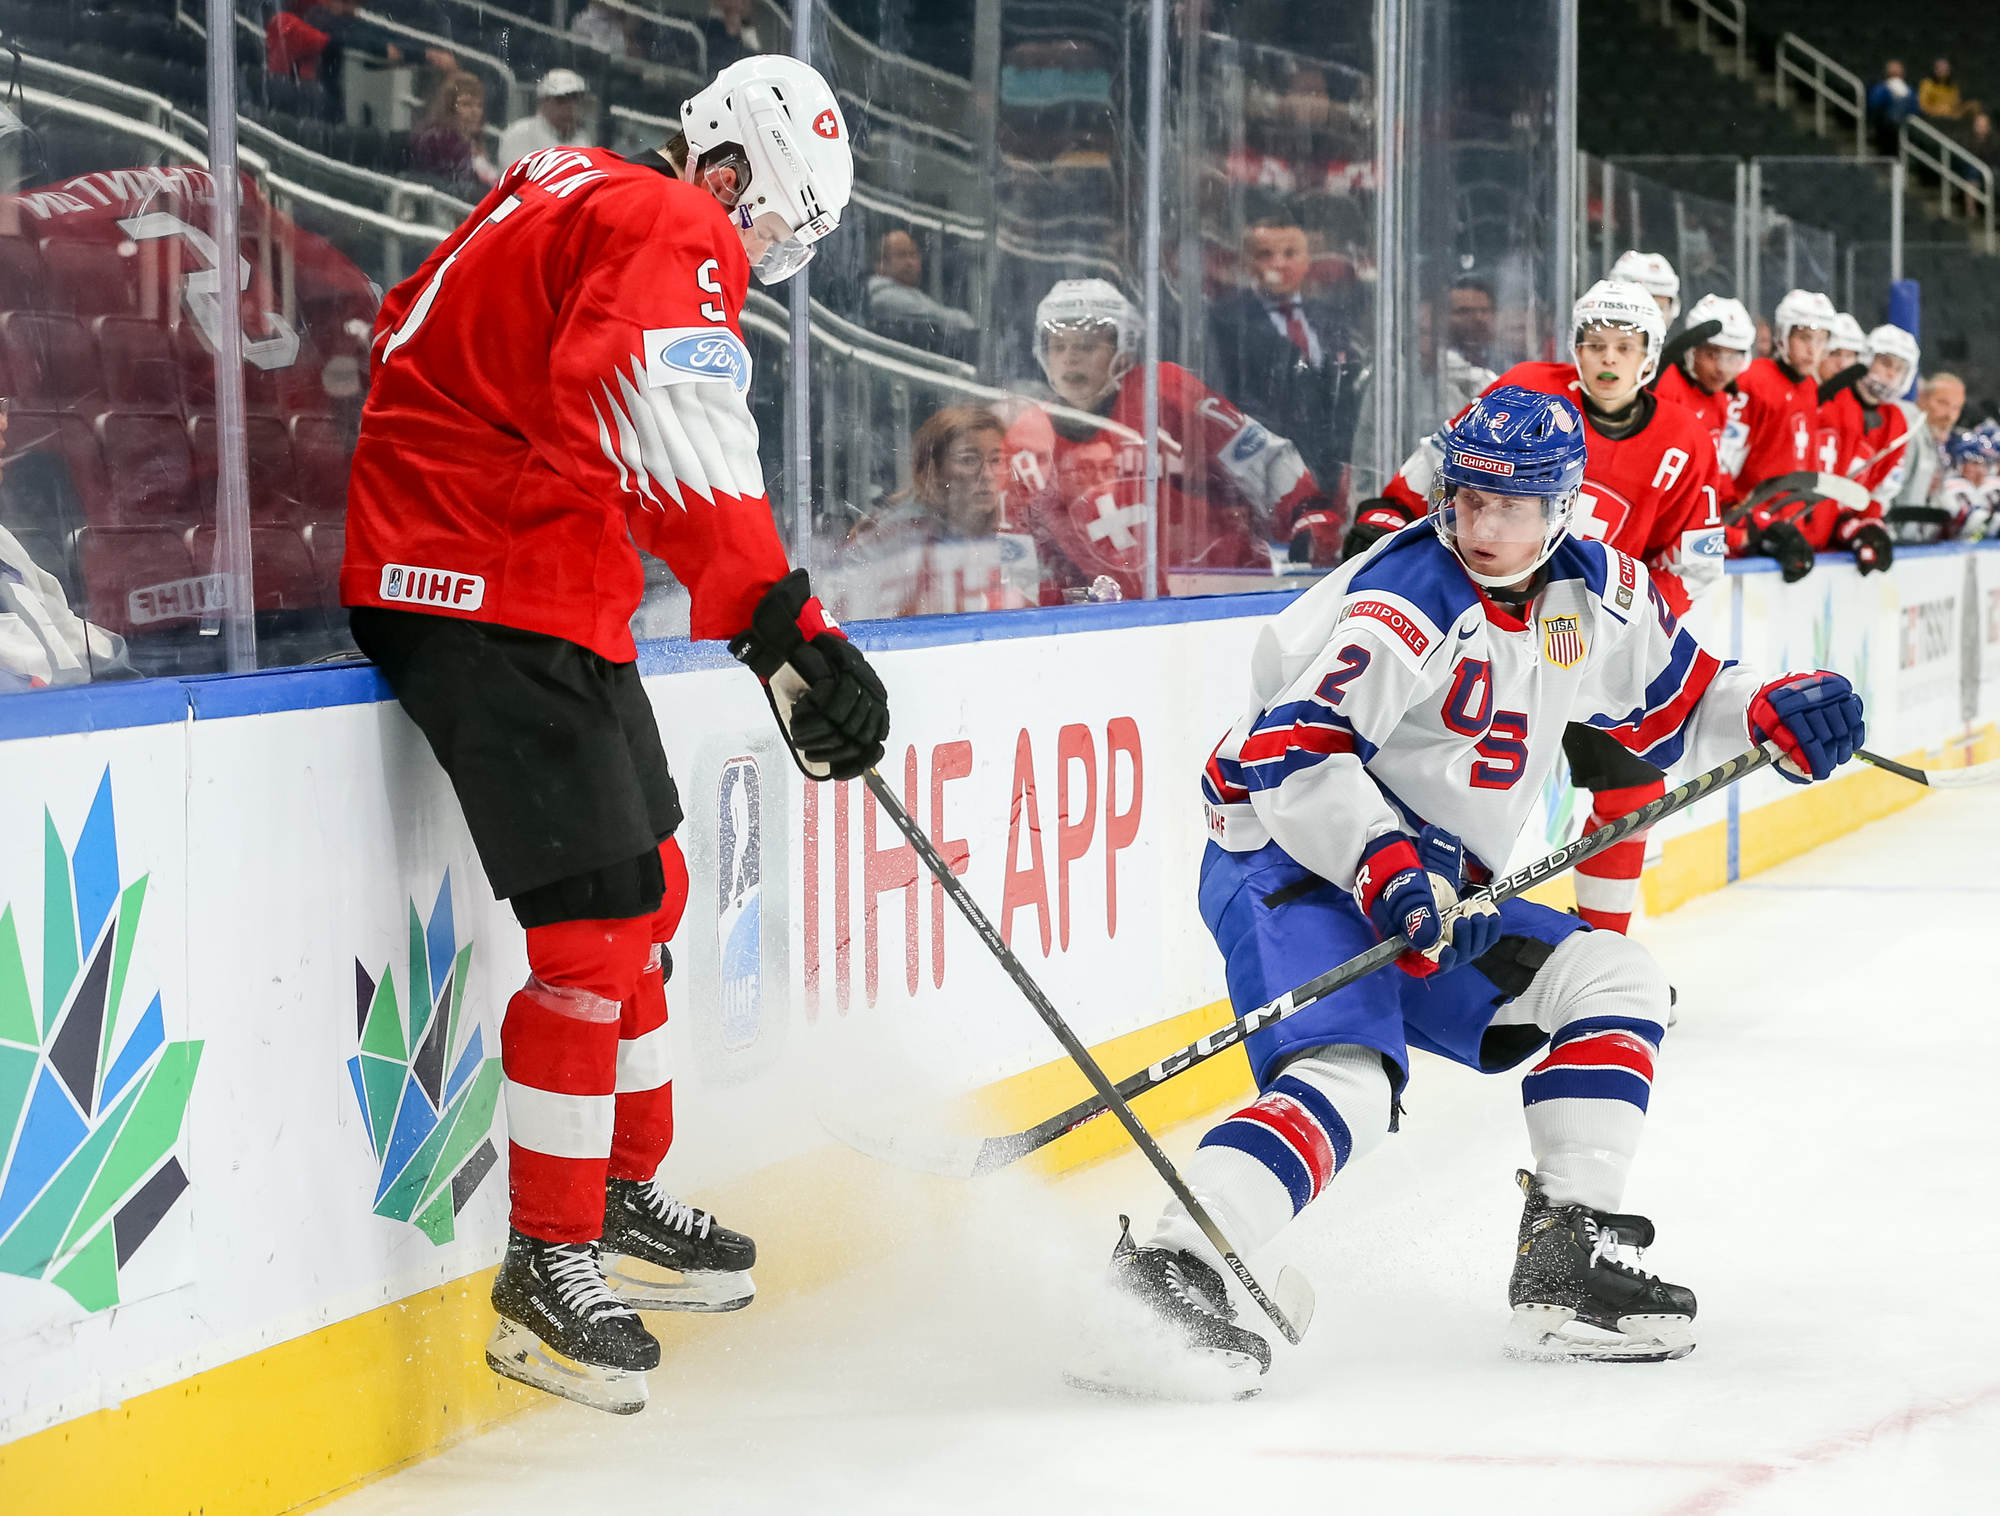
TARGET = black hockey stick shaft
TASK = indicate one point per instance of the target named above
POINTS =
(997, 1152)
(1900, 770)
(1108, 1097)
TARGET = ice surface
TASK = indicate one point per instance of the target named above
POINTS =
(1820, 1162)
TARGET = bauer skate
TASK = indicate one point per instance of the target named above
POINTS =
(1576, 1298)
(562, 1330)
(662, 1255)
(1168, 1332)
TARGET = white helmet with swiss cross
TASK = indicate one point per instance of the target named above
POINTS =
(776, 122)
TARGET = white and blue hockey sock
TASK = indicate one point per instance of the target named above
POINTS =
(1261, 1166)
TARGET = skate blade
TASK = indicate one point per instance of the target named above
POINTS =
(645, 1287)
(1552, 1334)
(516, 1353)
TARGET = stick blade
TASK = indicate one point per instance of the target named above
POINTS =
(910, 1147)
(1962, 779)
(1293, 1294)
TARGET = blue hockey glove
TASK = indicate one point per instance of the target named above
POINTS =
(1406, 884)
(1814, 718)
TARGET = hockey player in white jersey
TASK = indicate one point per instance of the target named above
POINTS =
(1404, 716)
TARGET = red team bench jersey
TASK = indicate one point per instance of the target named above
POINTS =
(561, 384)
(1782, 415)
(1868, 444)
(1721, 413)
(1650, 495)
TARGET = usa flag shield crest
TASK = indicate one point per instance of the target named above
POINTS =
(1562, 640)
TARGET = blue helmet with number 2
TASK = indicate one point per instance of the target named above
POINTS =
(1518, 443)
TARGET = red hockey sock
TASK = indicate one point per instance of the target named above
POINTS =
(1607, 886)
(644, 1128)
(559, 1059)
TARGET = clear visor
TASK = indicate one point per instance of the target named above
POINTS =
(1887, 376)
(1472, 516)
(775, 251)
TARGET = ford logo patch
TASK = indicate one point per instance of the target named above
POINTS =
(682, 355)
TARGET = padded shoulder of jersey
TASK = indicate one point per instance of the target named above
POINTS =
(1676, 425)
(1614, 578)
(1416, 565)
(1543, 378)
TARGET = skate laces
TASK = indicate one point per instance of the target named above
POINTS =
(1608, 1247)
(679, 1215)
(579, 1281)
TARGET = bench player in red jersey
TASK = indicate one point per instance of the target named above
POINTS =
(1649, 491)
(561, 386)
(1702, 378)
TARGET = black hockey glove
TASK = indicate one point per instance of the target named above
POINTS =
(1872, 547)
(1828, 388)
(1786, 543)
(1374, 520)
(830, 705)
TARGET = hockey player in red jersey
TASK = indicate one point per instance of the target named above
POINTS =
(1861, 453)
(560, 386)
(1228, 485)
(1783, 393)
(1649, 491)
(1702, 379)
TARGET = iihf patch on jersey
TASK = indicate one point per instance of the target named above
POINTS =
(430, 586)
(687, 354)
(1562, 640)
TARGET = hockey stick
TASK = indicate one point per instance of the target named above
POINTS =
(1290, 1284)
(1969, 777)
(969, 1157)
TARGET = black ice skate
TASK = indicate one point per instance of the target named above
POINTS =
(1575, 1297)
(662, 1255)
(562, 1330)
(1171, 1332)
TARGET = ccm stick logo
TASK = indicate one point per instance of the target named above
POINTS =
(428, 586)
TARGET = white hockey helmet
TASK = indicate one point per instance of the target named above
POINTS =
(1739, 332)
(1807, 308)
(1084, 304)
(1653, 274)
(781, 120)
(1616, 302)
(1846, 336)
(1888, 341)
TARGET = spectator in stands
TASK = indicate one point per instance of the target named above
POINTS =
(1982, 139)
(1889, 105)
(1763, 338)
(898, 306)
(1288, 360)
(347, 31)
(941, 545)
(606, 29)
(451, 144)
(1940, 398)
(1471, 320)
(1938, 97)
(557, 121)
(42, 641)
(729, 34)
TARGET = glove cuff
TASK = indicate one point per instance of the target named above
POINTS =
(1383, 861)
(787, 618)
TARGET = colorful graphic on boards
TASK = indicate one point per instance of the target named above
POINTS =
(426, 1087)
(92, 1094)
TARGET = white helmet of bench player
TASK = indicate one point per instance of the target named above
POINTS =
(1885, 381)
(1080, 305)
(1615, 302)
(767, 139)
(1806, 308)
(1846, 337)
(1739, 332)
(1653, 274)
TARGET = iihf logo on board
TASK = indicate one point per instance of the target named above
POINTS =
(92, 1095)
(426, 1088)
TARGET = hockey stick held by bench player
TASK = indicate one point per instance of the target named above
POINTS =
(1292, 1316)
(971, 1156)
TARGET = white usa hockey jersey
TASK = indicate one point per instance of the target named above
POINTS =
(1394, 694)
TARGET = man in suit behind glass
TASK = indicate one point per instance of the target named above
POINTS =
(1291, 362)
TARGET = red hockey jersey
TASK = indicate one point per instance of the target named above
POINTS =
(1782, 415)
(1721, 413)
(564, 379)
(1865, 443)
(1227, 484)
(1650, 495)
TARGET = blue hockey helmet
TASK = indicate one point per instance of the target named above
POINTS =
(1519, 444)
(1963, 446)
